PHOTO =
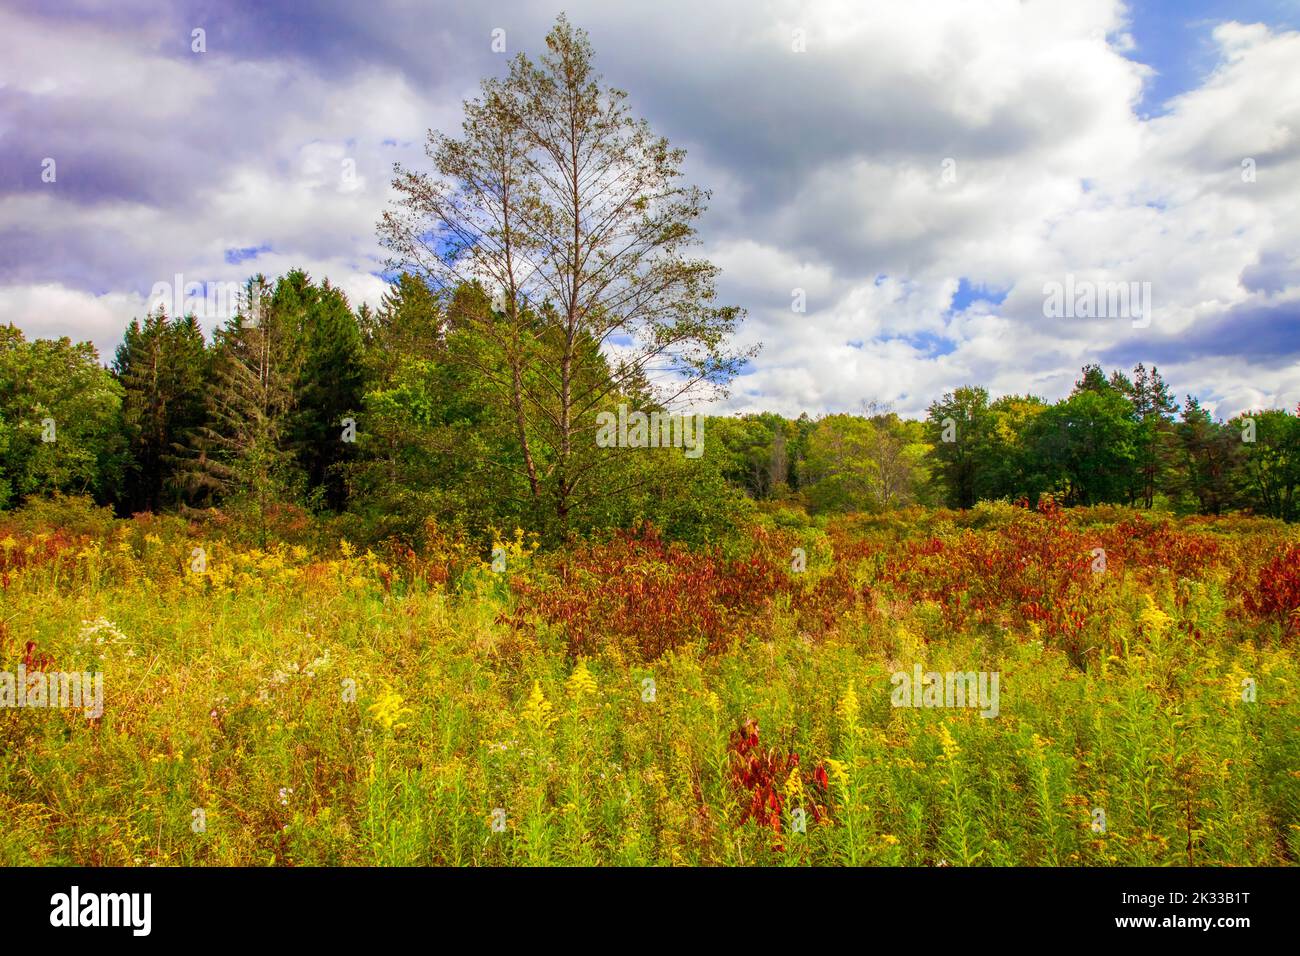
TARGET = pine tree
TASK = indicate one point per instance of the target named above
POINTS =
(329, 388)
(162, 366)
(241, 454)
(1210, 453)
(410, 325)
(1153, 410)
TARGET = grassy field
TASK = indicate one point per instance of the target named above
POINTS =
(634, 703)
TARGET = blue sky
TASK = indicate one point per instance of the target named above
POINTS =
(920, 179)
(1175, 39)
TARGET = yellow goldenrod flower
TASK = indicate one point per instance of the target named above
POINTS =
(388, 711)
(794, 786)
(538, 711)
(581, 683)
(839, 771)
(1153, 620)
(847, 709)
(950, 749)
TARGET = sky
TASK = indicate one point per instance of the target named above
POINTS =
(919, 174)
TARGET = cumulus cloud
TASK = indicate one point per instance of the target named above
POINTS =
(876, 157)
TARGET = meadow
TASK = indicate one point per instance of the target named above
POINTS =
(633, 702)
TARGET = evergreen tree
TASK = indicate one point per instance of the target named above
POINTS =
(162, 365)
(241, 453)
(328, 389)
(409, 325)
(1209, 454)
(1153, 410)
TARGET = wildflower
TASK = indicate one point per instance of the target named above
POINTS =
(538, 709)
(581, 683)
(1153, 620)
(794, 785)
(345, 548)
(839, 771)
(847, 709)
(319, 663)
(101, 631)
(950, 749)
(388, 711)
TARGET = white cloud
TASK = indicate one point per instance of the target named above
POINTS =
(826, 166)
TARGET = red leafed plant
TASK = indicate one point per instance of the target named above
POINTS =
(1277, 591)
(652, 595)
(760, 773)
(35, 660)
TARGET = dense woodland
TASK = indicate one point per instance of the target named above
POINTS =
(300, 402)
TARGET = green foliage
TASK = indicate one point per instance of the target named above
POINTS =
(1207, 455)
(960, 425)
(242, 454)
(1085, 446)
(163, 366)
(60, 419)
(759, 453)
(841, 472)
(328, 388)
(1270, 465)
(576, 215)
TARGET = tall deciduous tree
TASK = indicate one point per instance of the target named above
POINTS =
(60, 419)
(842, 471)
(573, 215)
(1270, 464)
(959, 425)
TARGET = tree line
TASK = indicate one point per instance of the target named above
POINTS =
(1117, 439)
(544, 271)
(396, 416)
